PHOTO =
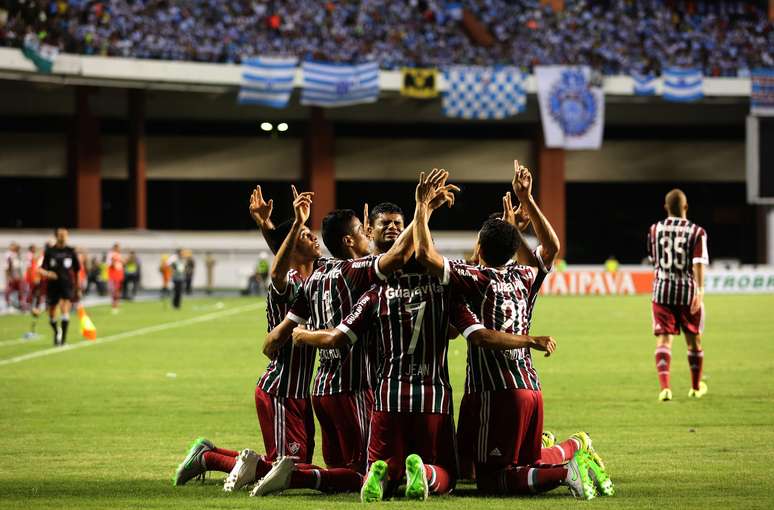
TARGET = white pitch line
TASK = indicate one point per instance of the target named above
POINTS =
(17, 341)
(128, 334)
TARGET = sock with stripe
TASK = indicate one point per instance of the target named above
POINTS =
(663, 360)
(218, 462)
(523, 480)
(439, 481)
(560, 452)
(224, 451)
(54, 326)
(696, 362)
(330, 481)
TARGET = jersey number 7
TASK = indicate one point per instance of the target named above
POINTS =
(417, 311)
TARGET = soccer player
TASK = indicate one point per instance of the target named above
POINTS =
(34, 284)
(60, 268)
(677, 248)
(342, 395)
(412, 424)
(115, 275)
(14, 284)
(506, 445)
(282, 393)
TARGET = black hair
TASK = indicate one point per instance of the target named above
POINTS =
(336, 225)
(499, 241)
(384, 208)
(277, 236)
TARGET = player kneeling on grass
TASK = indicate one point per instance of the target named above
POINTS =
(501, 416)
(412, 430)
(246, 466)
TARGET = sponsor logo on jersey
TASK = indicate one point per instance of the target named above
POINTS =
(503, 287)
(404, 293)
(361, 264)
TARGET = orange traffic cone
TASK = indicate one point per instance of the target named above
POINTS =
(88, 330)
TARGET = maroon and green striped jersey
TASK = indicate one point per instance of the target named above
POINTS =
(326, 297)
(409, 318)
(674, 246)
(503, 299)
(289, 374)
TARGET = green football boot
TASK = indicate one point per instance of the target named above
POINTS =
(599, 476)
(373, 486)
(193, 464)
(578, 479)
(416, 481)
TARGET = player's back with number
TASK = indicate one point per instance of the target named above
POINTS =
(674, 245)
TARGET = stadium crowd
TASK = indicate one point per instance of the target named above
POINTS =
(724, 37)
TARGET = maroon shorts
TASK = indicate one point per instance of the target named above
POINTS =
(669, 319)
(344, 422)
(15, 285)
(35, 293)
(287, 426)
(395, 436)
(500, 428)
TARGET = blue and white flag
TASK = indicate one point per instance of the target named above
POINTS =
(644, 84)
(40, 54)
(572, 108)
(474, 92)
(762, 94)
(328, 84)
(267, 81)
(683, 85)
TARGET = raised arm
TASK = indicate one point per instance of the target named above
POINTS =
(260, 211)
(517, 216)
(549, 241)
(322, 338)
(280, 266)
(499, 341)
(400, 252)
(429, 192)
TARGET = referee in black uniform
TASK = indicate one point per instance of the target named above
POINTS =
(60, 266)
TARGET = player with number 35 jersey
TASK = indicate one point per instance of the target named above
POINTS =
(677, 248)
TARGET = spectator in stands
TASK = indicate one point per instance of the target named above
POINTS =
(724, 37)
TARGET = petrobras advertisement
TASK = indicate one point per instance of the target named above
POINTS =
(590, 281)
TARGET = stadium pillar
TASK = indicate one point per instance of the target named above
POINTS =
(318, 166)
(83, 155)
(551, 189)
(136, 159)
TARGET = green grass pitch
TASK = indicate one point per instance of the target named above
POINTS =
(105, 426)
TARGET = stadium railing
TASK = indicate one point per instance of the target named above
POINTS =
(205, 77)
